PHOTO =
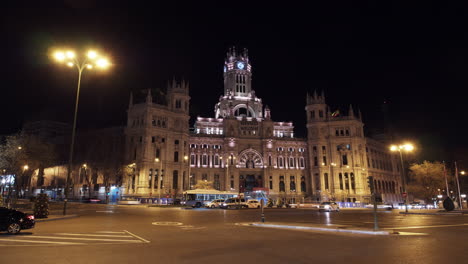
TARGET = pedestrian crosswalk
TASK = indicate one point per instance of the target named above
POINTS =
(100, 237)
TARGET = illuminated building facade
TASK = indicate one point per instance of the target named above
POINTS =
(242, 149)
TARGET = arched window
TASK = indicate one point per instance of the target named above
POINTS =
(292, 184)
(303, 184)
(281, 184)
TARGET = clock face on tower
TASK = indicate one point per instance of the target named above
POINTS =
(240, 65)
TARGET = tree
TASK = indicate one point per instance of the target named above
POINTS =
(204, 185)
(20, 150)
(426, 179)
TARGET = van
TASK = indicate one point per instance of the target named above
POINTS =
(234, 203)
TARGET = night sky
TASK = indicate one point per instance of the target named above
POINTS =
(414, 57)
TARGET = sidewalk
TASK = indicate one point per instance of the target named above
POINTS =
(435, 212)
(55, 217)
(320, 228)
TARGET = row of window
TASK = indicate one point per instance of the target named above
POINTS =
(320, 114)
(159, 122)
(380, 164)
(342, 132)
(216, 160)
(205, 146)
(290, 149)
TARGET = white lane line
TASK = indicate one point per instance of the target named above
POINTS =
(142, 239)
(79, 238)
(417, 227)
(72, 234)
(111, 232)
(43, 242)
(104, 211)
(411, 234)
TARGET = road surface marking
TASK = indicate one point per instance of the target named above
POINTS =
(72, 234)
(78, 238)
(142, 239)
(44, 242)
(111, 232)
(104, 211)
(416, 227)
(411, 234)
(167, 223)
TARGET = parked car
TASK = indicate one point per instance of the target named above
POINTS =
(234, 203)
(14, 221)
(215, 203)
(329, 207)
(253, 203)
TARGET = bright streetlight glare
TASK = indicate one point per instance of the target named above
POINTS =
(92, 54)
(70, 64)
(393, 148)
(84, 165)
(462, 172)
(59, 56)
(156, 159)
(25, 167)
(89, 66)
(408, 147)
(70, 54)
(102, 63)
(185, 157)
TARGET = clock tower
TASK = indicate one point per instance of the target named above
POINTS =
(237, 74)
(239, 99)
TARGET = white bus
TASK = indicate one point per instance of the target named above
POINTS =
(199, 197)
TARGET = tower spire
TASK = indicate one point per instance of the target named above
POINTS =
(351, 111)
(149, 98)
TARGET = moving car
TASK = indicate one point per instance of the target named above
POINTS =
(14, 221)
(215, 203)
(329, 207)
(253, 203)
(234, 203)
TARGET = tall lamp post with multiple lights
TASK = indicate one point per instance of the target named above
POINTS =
(91, 60)
(400, 148)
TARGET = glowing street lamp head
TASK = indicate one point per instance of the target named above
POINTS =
(70, 54)
(70, 64)
(102, 63)
(156, 159)
(92, 54)
(84, 165)
(462, 172)
(185, 157)
(393, 148)
(25, 167)
(408, 147)
(59, 56)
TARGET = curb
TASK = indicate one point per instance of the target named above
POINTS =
(457, 213)
(353, 231)
(56, 218)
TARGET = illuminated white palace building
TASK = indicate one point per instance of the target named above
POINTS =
(242, 149)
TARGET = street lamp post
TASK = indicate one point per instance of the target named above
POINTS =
(408, 148)
(186, 159)
(458, 185)
(92, 59)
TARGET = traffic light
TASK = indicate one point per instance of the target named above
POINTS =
(370, 183)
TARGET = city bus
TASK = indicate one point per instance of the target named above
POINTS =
(199, 197)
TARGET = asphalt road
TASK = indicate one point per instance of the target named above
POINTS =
(126, 234)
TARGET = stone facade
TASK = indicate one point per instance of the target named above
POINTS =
(241, 148)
